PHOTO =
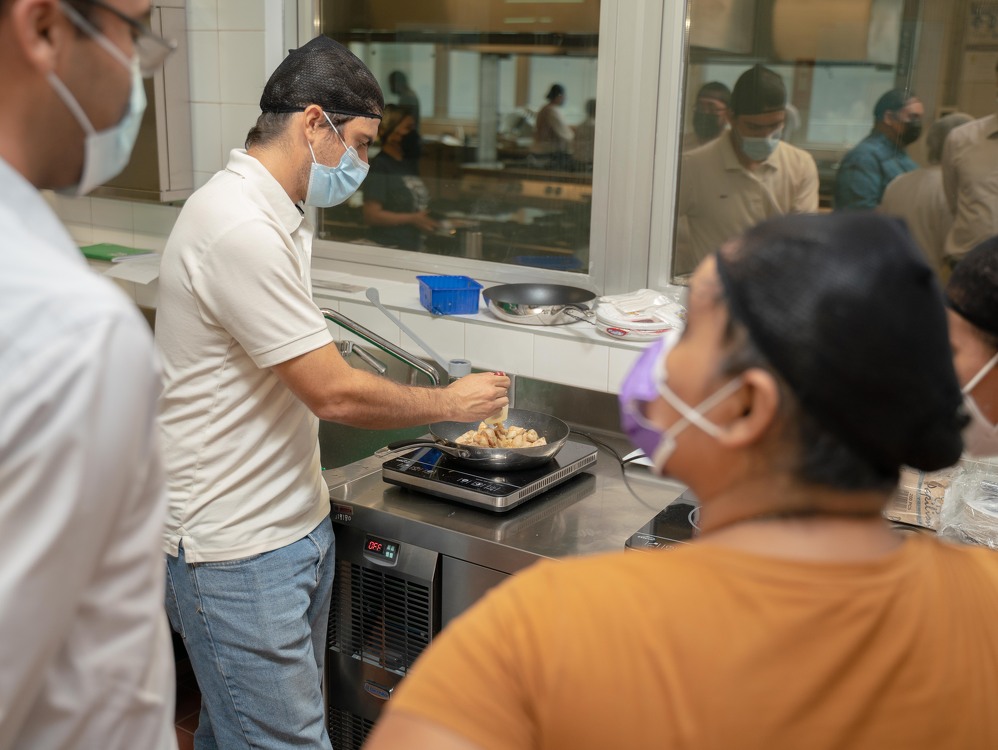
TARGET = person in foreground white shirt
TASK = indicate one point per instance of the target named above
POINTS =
(85, 658)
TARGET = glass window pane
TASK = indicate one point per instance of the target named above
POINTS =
(498, 164)
(835, 60)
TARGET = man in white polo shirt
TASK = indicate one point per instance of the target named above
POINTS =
(746, 175)
(250, 368)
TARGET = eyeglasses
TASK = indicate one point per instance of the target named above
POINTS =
(151, 49)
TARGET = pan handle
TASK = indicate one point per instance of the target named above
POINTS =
(398, 445)
(579, 312)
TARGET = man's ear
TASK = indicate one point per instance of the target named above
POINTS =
(760, 406)
(313, 121)
(40, 31)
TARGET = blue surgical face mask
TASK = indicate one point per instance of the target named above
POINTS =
(330, 186)
(647, 381)
(760, 149)
(107, 152)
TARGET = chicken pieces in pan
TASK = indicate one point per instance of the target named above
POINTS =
(500, 436)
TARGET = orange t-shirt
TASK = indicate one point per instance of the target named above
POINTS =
(703, 647)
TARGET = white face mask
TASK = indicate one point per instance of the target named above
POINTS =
(330, 186)
(107, 152)
(980, 437)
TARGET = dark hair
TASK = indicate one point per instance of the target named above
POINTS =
(555, 91)
(891, 101)
(270, 127)
(972, 290)
(591, 107)
(816, 455)
(715, 90)
(845, 308)
(758, 91)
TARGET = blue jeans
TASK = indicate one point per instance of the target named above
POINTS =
(255, 631)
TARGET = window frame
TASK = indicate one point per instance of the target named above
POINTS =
(635, 164)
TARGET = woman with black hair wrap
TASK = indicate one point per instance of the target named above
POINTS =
(814, 364)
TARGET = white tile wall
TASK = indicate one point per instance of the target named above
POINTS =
(203, 58)
(500, 348)
(202, 15)
(620, 362)
(444, 336)
(206, 127)
(580, 363)
(240, 15)
(241, 67)
(237, 119)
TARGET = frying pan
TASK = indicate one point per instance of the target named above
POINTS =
(446, 433)
(537, 304)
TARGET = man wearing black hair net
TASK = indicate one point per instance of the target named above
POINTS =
(249, 369)
(881, 156)
(814, 363)
(746, 175)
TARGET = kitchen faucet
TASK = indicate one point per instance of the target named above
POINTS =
(386, 346)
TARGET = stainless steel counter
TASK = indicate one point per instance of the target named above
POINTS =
(591, 512)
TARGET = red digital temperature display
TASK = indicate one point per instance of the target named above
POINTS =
(381, 548)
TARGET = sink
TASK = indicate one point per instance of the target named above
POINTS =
(340, 445)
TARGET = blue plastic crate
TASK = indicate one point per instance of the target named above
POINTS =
(449, 295)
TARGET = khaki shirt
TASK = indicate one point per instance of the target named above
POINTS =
(719, 198)
(918, 198)
(970, 178)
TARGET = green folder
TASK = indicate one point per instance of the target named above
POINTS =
(108, 251)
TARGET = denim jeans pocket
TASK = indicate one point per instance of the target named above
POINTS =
(235, 563)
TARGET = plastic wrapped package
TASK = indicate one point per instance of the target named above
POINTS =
(969, 513)
(919, 496)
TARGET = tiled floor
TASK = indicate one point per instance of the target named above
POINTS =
(188, 699)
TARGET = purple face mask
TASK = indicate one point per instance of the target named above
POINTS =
(646, 382)
(640, 388)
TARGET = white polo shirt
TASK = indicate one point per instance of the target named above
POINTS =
(719, 198)
(85, 656)
(242, 451)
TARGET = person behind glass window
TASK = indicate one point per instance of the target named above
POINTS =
(867, 169)
(552, 136)
(919, 198)
(970, 166)
(584, 142)
(85, 655)
(710, 114)
(395, 197)
(744, 176)
(250, 367)
(791, 430)
(398, 84)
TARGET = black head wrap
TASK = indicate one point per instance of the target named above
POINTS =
(326, 73)
(758, 91)
(852, 318)
(972, 291)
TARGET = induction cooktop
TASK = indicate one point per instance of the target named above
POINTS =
(431, 471)
(675, 525)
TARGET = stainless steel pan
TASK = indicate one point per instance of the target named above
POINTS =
(538, 304)
(445, 433)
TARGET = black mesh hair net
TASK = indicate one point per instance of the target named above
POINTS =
(852, 318)
(972, 291)
(326, 73)
(758, 91)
